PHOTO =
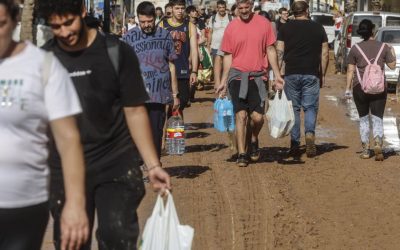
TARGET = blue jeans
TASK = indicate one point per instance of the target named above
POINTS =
(303, 91)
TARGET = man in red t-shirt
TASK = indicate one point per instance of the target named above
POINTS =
(246, 43)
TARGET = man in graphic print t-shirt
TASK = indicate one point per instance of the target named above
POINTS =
(155, 50)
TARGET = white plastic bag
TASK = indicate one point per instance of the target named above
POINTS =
(280, 116)
(163, 230)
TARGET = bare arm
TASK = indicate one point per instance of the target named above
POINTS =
(139, 127)
(74, 223)
(210, 39)
(273, 60)
(227, 62)
(193, 53)
(174, 84)
(280, 49)
(217, 71)
(350, 74)
(324, 58)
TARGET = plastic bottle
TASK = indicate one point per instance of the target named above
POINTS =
(175, 135)
(216, 103)
(229, 120)
(225, 120)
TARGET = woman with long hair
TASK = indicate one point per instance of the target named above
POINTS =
(370, 106)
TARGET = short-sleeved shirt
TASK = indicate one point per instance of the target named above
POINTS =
(218, 25)
(247, 42)
(103, 94)
(303, 46)
(27, 105)
(154, 52)
(371, 49)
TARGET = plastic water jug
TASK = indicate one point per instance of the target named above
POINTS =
(175, 135)
(224, 121)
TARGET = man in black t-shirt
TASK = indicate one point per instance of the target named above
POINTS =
(306, 61)
(112, 95)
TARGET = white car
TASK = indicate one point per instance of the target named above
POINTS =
(326, 20)
(391, 36)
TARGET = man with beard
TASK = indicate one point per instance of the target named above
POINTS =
(183, 34)
(155, 50)
(247, 41)
(114, 127)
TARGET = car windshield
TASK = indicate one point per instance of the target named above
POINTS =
(323, 20)
(391, 36)
(377, 20)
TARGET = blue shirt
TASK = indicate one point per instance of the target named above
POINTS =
(154, 52)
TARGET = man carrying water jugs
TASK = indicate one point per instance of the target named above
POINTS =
(246, 43)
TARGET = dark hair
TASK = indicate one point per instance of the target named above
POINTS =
(190, 8)
(257, 8)
(177, 2)
(46, 8)
(282, 10)
(12, 8)
(299, 8)
(146, 9)
(365, 29)
(167, 5)
(160, 9)
(221, 2)
(233, 8)
(265, 14)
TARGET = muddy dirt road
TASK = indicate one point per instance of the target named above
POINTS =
(334, 201)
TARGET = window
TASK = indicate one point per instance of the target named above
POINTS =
(391, 36)
(324, 20)
(377, 20)
(393, 21)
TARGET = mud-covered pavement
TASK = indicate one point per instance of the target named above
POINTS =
(333, 201)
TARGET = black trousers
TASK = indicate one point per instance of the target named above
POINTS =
(367, 102)
(115, 198)
(157, 115)
(184, 93)
(23, 228)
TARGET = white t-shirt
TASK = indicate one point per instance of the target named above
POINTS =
(218, 27)
(26, 107)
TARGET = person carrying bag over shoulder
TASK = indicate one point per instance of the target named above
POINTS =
(366, 84)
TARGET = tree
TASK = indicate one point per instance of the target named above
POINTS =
(27, 21)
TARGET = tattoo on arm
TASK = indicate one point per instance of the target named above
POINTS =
(280, 57)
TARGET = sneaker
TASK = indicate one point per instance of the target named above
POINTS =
(311, 149)
(254, 151)
(378, 149)
(242, 160)
(365, 151)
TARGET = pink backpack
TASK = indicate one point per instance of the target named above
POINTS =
(373, 81)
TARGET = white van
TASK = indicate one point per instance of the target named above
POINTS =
(326, 20)
(350, 37)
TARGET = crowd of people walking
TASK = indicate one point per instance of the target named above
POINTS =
(106, 100)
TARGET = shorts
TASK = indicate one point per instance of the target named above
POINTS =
(184, 93)
(214, 52)
(252, 103)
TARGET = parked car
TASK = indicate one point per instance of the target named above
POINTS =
(391, 36)
(350, 37)
(326, 20)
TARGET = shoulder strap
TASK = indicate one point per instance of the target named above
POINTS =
(379, 53)
(362, 53)
(46, 68)
(113, 51)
